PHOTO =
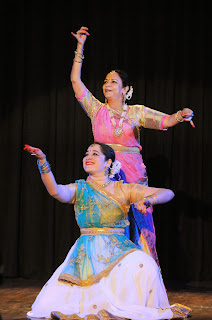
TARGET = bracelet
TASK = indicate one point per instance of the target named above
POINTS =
(155, 199)
(79, 55)
(77, 61)
(150, 200)
(176, 116)
(146, 202)
(44, 168)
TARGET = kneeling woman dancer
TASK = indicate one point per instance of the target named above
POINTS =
(104, 275)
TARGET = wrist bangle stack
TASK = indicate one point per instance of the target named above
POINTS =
(154, 199)
(44, 168)
(176, 116)
(150, 200)
(79, 55)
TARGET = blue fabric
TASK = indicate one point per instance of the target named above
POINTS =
(95, 254)
(137, 219)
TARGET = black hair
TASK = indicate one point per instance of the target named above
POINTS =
(124, 77)
(108, 152)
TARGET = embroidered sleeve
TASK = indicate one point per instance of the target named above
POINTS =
(134, 191)
(89, 103)
(149, 118)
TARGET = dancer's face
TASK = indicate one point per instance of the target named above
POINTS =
(94, 161)
(113, 87)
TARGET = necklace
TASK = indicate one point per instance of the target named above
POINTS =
(117, 131)
(104, 185)
(117, 110)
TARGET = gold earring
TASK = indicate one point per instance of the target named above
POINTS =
(106, 171)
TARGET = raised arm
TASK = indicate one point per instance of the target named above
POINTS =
(77, 84)
(60, 192)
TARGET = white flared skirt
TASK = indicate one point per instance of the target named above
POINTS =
(133, 289)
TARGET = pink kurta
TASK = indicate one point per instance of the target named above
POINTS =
(131, 160)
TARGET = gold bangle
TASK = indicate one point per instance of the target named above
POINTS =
(81, 56)
(77, 61)
(176, 116)
(155, 199)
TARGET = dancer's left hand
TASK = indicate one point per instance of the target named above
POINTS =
(140, 205)
(187, 115)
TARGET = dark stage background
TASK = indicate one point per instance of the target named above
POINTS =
(167, 52)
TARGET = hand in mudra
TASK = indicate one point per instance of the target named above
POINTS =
(35, 152)
(81, 35)
(187, 115)
(141, 206)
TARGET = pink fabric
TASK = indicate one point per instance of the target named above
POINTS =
(132, 164)
(82, 95)
(163, 122)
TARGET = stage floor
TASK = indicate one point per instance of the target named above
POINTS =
(17, 295)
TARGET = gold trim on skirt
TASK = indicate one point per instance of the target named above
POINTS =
(91, 231)
(72, 280)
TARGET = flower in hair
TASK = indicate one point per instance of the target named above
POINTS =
(116, 166)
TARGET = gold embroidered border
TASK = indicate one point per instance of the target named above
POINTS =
(102, 190)
(71, 280)
(124, 149)
(101, 315)
(101, 231)
(179, 310)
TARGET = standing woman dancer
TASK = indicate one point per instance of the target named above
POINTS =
(117, 124)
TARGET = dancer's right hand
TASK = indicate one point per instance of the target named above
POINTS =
(81, 35)
(35, 152)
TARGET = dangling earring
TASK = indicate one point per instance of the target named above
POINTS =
(106, 171)
(106, 101)
(124, 99)
(129, 93)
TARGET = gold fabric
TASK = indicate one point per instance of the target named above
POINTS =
(101, 215)
(101, 315)
(92, 231)
(124, 149)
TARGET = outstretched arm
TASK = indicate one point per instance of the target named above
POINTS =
(77, 84)
(144, 197)
(182, 115)
(60, 192)
(158, 195)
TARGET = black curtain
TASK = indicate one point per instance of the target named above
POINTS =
(166, 50)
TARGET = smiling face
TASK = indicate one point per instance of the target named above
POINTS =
(113, 87)
(94, 161)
